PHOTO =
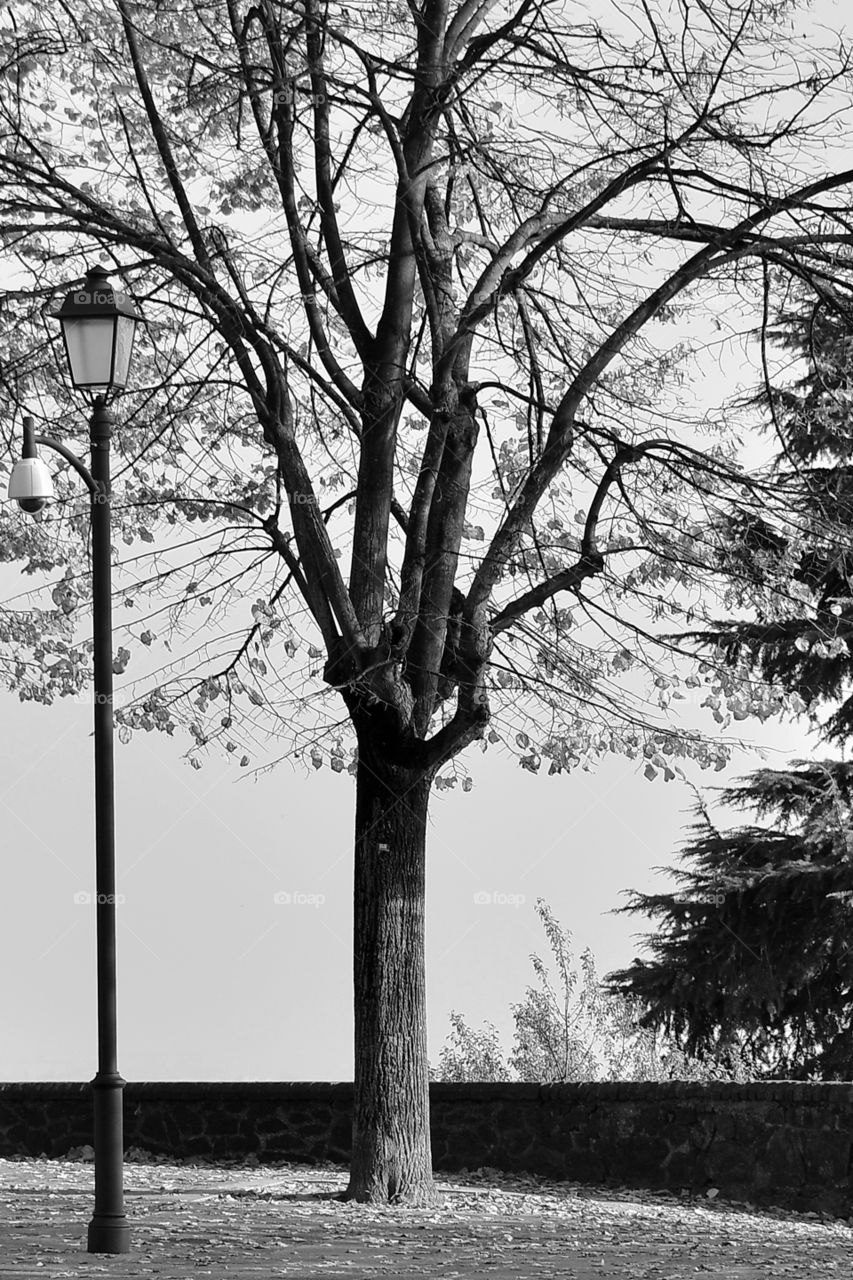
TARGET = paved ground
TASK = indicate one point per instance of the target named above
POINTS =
(191, 1221)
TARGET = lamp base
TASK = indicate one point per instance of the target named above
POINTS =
(109, 1234)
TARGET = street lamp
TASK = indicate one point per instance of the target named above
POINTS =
(98, 328)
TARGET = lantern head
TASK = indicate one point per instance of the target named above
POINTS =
(98, 327)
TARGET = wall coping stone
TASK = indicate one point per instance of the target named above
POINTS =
(451, 1090)
(297, 1089)
(818, 1093)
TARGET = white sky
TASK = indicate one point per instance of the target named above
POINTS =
(216, 981)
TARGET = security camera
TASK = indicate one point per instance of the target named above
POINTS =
(30, 484)
(32, 505)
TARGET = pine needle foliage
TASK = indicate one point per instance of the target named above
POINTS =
(752, 952)
(803, 642)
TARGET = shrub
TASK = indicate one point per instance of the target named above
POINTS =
(574, 1030)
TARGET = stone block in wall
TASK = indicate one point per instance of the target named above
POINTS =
(824, 1155)
(584, 1166)
(19, 1139)
(311, 1129)
(273, 1122)
(187, 1118)
(646, 1158)
(732, 1166)
(339, 1146)
(726, 1123)
(151, 1130)
(549, 1162)
(785, 1153)
(551, 1116)
(228, 1146)
(811, 1117)
(681, 1166)
(195, 1147)
(219, 1124)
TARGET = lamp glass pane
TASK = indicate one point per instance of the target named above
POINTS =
(90, 349)
(125, 330)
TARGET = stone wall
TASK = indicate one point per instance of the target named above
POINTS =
(787, 1144)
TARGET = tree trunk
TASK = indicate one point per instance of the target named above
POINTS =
(391, 1156)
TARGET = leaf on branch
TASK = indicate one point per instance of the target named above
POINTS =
(120, 661)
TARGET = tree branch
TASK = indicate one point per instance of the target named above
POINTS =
(590, 561)
(159, 135)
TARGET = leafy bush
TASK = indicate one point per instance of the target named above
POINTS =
(572, 1029)
(471, 1055)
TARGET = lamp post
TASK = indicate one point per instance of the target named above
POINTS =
(98, 327)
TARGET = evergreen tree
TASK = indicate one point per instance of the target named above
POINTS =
(753, 952)
(803, 641)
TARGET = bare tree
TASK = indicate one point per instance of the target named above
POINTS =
(411, 272)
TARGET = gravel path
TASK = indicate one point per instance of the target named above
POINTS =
(191, 1220)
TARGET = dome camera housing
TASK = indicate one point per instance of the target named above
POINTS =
(32, 506)
(30, 484)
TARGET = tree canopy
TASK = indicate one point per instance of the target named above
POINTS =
(422, 289)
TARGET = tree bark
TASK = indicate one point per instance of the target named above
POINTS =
(392, 1156)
